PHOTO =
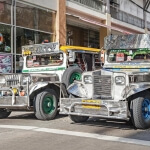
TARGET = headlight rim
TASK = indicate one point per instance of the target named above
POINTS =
(119, 83)
(88, 76)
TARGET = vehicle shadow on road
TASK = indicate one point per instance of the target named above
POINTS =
(30, 116)
(108, 123)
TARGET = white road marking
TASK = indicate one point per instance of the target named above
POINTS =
(79, 134)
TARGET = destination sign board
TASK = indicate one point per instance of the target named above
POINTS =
(40, 48)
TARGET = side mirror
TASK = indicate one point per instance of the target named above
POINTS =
(72, 56)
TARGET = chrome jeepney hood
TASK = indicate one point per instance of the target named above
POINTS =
(16, 79)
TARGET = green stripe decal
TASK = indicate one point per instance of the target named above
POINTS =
(44, 69)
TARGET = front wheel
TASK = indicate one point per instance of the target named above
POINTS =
(4, 113)
(71, 74)
(140, 111)
(46, 105)
(78, 119)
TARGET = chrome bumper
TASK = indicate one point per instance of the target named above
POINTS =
(95, 108)
(13, 102)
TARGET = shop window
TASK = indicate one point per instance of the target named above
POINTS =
(33, 18)
(5, 11)
(5, 38)
(45, 20)
(93, 39)
(29, 37)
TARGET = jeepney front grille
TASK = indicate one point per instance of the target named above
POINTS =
(102, 86)
(12, 79)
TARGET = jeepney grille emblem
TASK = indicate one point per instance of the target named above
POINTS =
(102, 86)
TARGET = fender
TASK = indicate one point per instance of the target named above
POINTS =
(37, 86)
(77, 89)
(134, 89)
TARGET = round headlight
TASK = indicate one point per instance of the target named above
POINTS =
(88, 79)
(120, 80)
(2, 80)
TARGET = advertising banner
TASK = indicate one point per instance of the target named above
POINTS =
(5, 63)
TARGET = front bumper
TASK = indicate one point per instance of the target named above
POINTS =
(13, 102)
(94, 108)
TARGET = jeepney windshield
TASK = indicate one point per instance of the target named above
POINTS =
(54, 59)
(130, 55)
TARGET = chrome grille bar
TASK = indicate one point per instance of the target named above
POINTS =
(12, 79)
(102, 86)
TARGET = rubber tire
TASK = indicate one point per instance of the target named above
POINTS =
(67, 74)
(78, 119)
(136, 112)
(39, 113)
(4, 113)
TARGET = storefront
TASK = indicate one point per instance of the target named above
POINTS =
(23, 23)
(81, 33)
(81, 36)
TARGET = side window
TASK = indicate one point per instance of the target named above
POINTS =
(88, 58)
(80, 61)
(97, 60)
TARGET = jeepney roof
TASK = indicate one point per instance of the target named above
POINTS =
(76, 48)
(53, 47)
(131, 41)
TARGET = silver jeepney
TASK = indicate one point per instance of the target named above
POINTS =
(121, 90)
(46, 67)
(17, 89)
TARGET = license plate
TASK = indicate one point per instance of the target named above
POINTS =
(91, 106)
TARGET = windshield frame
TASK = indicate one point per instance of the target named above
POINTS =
(42, 66)
(134, 61)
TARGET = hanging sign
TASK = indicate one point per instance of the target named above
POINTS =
(119, 57)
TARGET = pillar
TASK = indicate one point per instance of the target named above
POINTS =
(61, 22)
(145, 17)
(105, 31)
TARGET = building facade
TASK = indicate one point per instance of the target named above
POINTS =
(71, 22)
(104, 17)
(23, 22)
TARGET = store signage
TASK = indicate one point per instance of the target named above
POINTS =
(40, 48)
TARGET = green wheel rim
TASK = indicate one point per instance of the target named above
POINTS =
(48, 104)
(75, 76)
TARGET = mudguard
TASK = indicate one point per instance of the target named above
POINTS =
(134, 89)
(37, 86)
(77, 89)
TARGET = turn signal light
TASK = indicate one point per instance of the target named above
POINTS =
(22, 93)
(15, 90)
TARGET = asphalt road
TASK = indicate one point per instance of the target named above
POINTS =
(22, 131)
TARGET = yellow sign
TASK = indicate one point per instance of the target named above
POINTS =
(92, 106)
(27, 52)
